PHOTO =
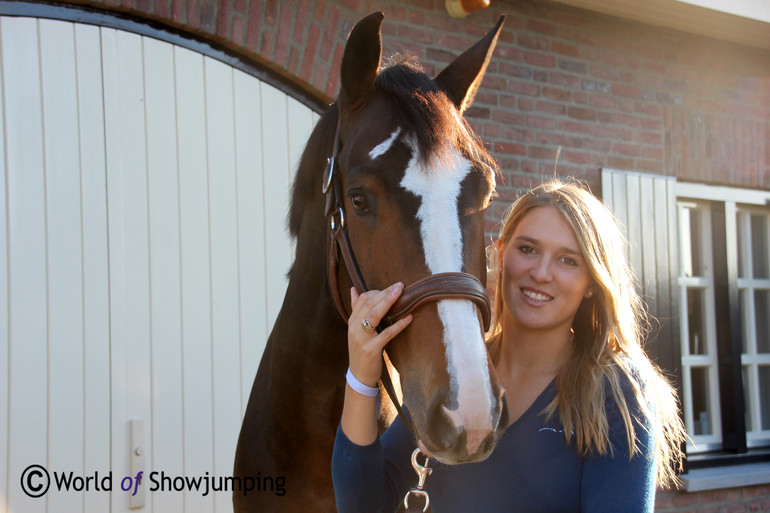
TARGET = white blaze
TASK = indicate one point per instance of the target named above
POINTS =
(385, 145)
(439, 190)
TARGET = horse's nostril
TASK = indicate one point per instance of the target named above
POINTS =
(500, 412)
(443, 430)
(502, 423)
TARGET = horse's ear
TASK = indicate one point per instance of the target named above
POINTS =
(361, 59)
(462, 77)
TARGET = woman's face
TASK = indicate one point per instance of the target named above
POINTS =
(545, 277)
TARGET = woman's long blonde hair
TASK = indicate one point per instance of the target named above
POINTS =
(608, 332)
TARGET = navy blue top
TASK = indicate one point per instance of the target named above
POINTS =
(531, 469)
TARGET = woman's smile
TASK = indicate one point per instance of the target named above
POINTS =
(535, 295)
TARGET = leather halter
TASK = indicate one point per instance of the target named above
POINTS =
(450, 285)
(454, 285)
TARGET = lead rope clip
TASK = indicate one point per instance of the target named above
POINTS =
(423, 471)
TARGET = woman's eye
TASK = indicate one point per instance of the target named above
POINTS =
(569, 261)
(359, 202)
(527, 250)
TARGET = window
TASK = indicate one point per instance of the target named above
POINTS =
(753, 227)
(724, 287)
(701, 255)
(697, 327)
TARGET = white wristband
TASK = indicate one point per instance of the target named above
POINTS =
(360, 387)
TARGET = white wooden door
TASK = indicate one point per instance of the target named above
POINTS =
(141, 184)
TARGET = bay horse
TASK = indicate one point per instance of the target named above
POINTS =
(404, 195)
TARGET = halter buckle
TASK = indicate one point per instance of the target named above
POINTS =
(328, 173)
(341, 215)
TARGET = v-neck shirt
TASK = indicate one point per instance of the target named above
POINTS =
(532, 469)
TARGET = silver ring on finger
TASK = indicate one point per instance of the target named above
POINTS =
(367, 327)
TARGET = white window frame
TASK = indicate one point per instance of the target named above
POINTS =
(751, 360)
(708, 360)
(735, 200)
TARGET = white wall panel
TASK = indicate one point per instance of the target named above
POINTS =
(198, 402)
(165, 287)
(4, 310)
(251, 229)
(28, 311)
(301, 123)
(223, 216)
(275, 162)
(96, 307)
(143, 256)
(64, 256)
(128, 243)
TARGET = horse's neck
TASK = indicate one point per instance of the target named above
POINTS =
(307, 349)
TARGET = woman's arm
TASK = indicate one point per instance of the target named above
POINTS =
(613, 482)
(373, 478)
(358, 463)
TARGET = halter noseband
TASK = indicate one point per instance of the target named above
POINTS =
(451, 285)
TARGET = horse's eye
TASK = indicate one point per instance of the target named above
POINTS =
(359, 202)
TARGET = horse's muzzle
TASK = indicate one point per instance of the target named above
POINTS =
(452, 442)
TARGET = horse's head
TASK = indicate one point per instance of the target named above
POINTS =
(414, 183)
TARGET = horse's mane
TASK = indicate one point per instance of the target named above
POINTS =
(307, 182)
(421, 108)
(426, 113)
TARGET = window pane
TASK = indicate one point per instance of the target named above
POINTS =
(700, 401)
(746, 394)
(696, 321)
(759, 246)
(762, 319)
(740, 223)
(696, 229)
(764, 395)
(742, 316)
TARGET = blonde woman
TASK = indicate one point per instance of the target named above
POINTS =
(593, 424)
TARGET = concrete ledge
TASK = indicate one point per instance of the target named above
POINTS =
(726, 477)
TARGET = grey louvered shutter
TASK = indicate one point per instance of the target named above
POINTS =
(645, 206)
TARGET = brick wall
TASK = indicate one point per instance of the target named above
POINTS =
(736, 500)
(608, 92)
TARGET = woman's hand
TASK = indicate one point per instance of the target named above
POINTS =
(365, 345)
